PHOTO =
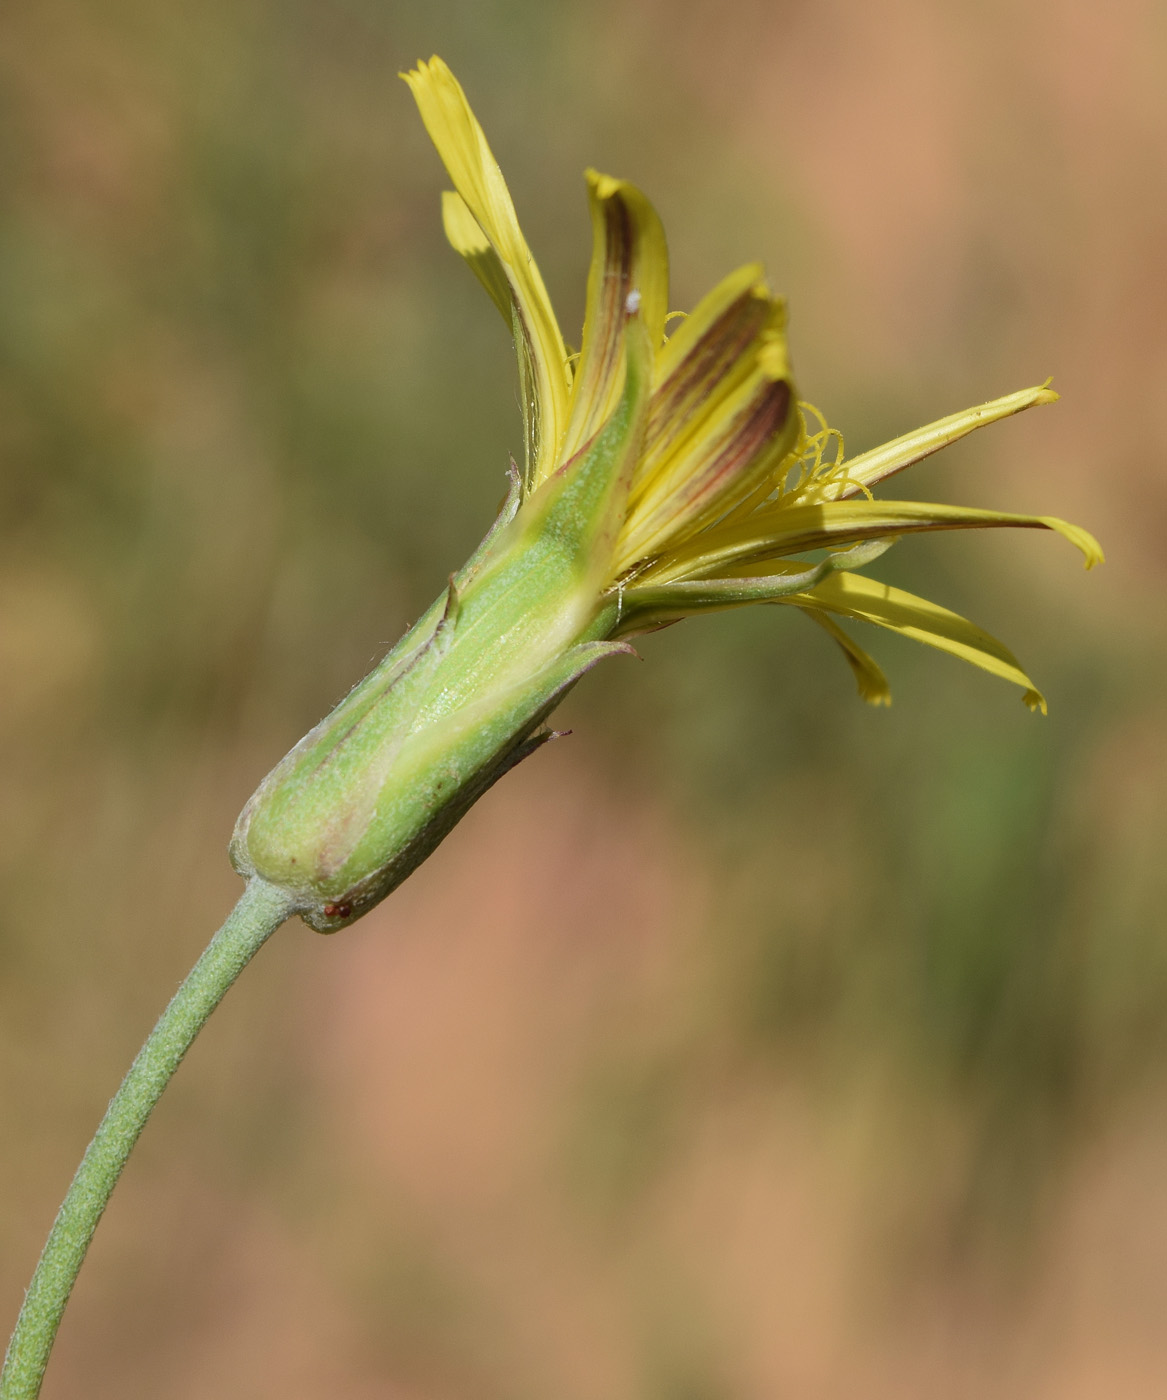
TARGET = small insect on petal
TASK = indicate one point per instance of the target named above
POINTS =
(632, 302)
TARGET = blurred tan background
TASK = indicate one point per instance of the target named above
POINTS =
(748, 1044)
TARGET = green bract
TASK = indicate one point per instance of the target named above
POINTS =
(368, 794)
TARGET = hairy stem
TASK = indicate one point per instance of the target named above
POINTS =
(260, 911)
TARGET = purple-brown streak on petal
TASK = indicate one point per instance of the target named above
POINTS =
(601, 357)
(737, 447)
(754, 428)
(680, 397)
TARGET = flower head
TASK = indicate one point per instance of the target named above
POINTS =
(734, 488)
(664, 475)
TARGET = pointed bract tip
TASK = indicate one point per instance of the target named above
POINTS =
(1035, 702)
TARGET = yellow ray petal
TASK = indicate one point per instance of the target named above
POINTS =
(695, 328)
(543, 372)
(855, 596)
(772, 532)
(869, 677)
(748, 432)
(721, 415)
(629, 254)
(881, 462)
(707, 358)
(465, 236)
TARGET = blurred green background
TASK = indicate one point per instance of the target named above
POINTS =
(750, 1043)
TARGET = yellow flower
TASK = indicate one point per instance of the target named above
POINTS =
(664, 476)
(733, 482)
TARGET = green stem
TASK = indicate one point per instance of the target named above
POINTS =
(260, 911)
